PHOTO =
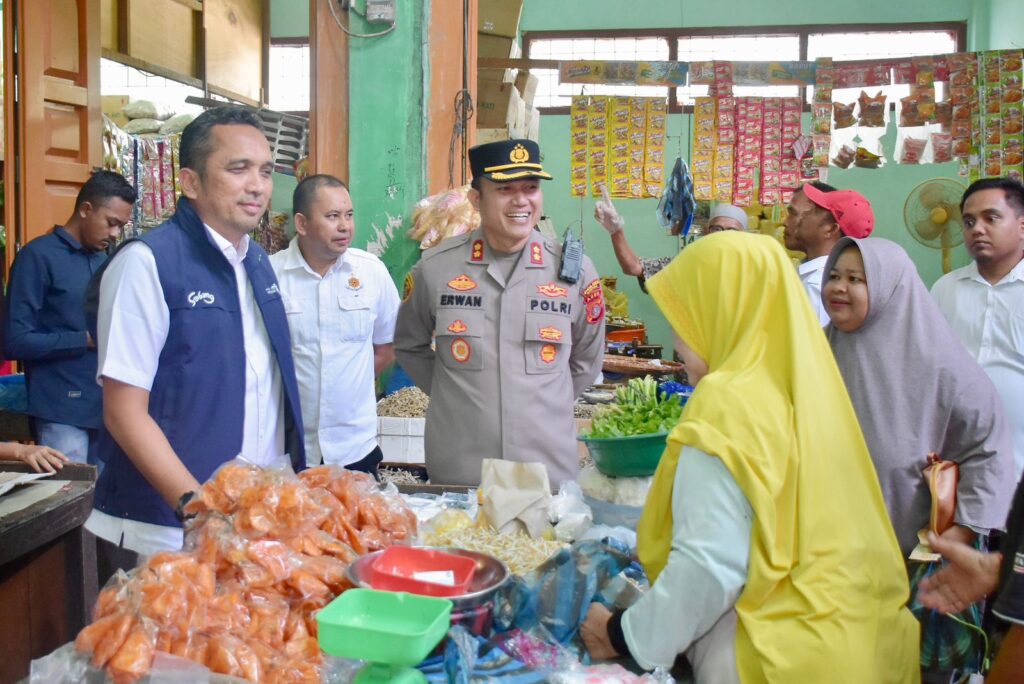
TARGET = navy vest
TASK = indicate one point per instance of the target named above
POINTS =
(198, 394)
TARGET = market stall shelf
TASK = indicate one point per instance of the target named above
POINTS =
(47, 570)
(639, 367)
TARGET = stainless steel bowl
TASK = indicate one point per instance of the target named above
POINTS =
(490, 575)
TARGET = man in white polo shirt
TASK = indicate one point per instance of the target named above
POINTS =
(817, 216)
(984, 301)
(341, 305)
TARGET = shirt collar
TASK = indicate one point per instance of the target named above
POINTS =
(533, 252)
(234, 256)
(971, 272)
(811, 265)
(294, 260)
(62, 233)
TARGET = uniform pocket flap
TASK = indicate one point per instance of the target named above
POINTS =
(463, 322)
(553, 329)
(353, 303)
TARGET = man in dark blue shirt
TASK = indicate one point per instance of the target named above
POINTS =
(46, 324)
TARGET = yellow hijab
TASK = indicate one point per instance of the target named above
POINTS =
(826, 587)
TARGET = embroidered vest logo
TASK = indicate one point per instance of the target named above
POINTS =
(196, 297)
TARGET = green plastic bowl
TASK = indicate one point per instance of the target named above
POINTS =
(635, 456)
(386, 627)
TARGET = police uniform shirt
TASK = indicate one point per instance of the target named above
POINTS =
(508, 357)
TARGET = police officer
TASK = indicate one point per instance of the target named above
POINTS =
(514, 343)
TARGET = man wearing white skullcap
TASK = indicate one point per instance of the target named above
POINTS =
(723, 217)
(726, 217)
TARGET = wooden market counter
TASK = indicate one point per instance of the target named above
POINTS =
(47, 570)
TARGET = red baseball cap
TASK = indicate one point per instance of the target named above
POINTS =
(851, 209)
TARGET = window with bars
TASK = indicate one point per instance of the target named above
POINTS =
(842, 47)
(774, 43)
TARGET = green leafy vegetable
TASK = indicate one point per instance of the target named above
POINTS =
(639, 409)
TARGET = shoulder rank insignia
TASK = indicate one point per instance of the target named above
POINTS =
(457, 327)
(477, 253)
(462, 283)
(550, 333)
(552, 290)
(536, 254)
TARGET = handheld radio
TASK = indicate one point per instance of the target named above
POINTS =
(571, 265)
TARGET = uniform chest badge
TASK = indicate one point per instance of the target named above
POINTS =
(548, 353)
(354, 284)
(477, 253)
(536, 254)
(550, 333)
(407, 287)
(552, 290)
(461, 351)
(457, 327)
(593, 301)
(462, 283)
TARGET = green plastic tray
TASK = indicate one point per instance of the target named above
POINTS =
(395, 628)
(635, 456)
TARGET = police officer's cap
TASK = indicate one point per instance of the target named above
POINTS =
(507, 160)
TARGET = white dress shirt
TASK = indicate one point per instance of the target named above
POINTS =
(811, 272)
(690, 607)
(335, 320)
(989, 320)
(132, 327)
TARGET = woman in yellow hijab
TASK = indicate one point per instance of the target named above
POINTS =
(765, 535)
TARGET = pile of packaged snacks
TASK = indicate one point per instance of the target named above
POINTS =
(265, 551)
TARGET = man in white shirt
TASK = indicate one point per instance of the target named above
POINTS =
(194, 355)
(341, 305)
(984, 301)
(817, 216)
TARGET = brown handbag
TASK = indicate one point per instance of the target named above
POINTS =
(942, 478)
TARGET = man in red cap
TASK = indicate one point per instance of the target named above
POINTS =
(816, 218)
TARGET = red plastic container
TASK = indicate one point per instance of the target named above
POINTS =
(408, 568)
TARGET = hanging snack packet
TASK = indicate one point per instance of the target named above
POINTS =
(842, 115)
(844, 157)
(872, 109)
(912, 150)
(942, 147)
(866, 159)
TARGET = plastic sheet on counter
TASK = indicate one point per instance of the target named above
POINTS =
(557, 595)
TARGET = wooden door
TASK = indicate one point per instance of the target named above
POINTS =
(56, 132)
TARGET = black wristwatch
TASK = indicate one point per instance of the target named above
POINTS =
(179, 509)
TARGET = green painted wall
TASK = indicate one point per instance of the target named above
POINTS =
(887, 188)
(1006, 24)
(387, 134)
(387, 89)
(553, 15)
(289, 18)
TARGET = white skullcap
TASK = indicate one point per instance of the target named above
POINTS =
(729, 211)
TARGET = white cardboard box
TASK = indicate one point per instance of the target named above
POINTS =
(401, 439)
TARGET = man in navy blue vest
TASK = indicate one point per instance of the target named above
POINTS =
(46, 326)
(194, 350)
